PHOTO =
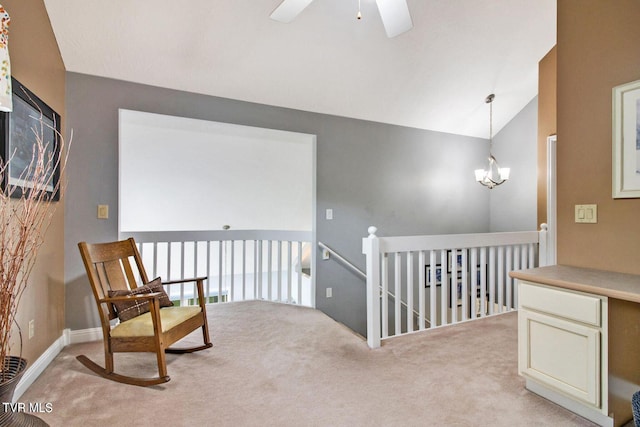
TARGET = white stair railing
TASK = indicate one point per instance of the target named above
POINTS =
(444, 278)
(240, 265)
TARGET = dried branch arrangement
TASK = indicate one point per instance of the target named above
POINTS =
(25, 215)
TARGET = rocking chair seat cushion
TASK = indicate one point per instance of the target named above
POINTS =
(142, 326)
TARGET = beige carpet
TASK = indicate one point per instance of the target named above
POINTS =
(282, 365)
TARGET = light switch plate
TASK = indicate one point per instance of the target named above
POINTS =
(103, 211)
(586, 214)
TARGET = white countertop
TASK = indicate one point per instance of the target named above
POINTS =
(606, 283)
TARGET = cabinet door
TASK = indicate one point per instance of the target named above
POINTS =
(561, 354)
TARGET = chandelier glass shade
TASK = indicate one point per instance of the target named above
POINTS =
(493, 175)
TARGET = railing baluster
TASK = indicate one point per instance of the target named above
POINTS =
(398, 294)
(183, 300)
(244, 270)
(516, 266)
(532, 256)
(421, 293)
(300, 273)
(500, 283)
(155, 259)
(140, 247)
(195, 271)
(289, 268)
(444, 287)
(169, 277)
(483, 282)
(433, 289)
(232, 272)
(208, 251)
(259, 272)
(492, 279)
(255, 269)
(279, 261)
(410, 286)
(464, 291)
(508, 264)
(220, 268)
(454, 286)
(474, 283)
(269, 270)
(422, 265)
(384, 283)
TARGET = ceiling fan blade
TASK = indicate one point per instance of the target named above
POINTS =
(289, 9)
(395, 16)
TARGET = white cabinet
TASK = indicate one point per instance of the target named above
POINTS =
(579, 339)
(562, 346)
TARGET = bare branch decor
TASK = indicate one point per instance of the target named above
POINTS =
(24, 221)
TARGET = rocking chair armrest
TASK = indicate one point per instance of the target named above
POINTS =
(199, 281)
(149, 296)
(193, 279)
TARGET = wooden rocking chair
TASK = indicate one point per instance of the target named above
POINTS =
(117, 293)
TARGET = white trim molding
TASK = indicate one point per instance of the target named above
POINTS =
(35, 369)
(84, 335)
(38, 367)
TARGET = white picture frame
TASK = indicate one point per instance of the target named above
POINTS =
(626, 140)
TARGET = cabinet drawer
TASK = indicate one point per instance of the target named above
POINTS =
(563, 303)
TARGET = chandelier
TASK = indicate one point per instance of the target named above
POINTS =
(494, 174)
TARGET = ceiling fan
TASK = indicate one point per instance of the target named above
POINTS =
(394, 13)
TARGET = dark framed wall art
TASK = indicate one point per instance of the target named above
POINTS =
(18, 130)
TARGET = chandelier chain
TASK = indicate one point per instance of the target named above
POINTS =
(489, 101)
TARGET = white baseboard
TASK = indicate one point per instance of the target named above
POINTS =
(35, 369)
(85, 335)
(583, 410)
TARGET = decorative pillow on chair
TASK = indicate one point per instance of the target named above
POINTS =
(129, 309)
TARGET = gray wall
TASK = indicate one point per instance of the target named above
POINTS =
(513, 205)
(402, 180)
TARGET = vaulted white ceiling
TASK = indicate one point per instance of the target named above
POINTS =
(436, 76)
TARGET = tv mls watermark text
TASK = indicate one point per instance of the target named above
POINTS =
(33, 407)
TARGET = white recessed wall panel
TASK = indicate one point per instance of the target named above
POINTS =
(185, 174)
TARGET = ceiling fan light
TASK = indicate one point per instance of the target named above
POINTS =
(288, 10)
(395, 16)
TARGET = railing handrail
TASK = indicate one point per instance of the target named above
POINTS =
(216, 235)
(446, 241)
(343, 260)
